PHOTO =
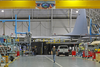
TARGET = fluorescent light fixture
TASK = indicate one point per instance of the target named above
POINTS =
(76, 11)
(2, 10)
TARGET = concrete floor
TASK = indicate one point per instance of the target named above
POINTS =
(46, 61)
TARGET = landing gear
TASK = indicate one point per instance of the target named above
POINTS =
(66, 54)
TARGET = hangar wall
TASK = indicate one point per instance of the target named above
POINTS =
(39, 28)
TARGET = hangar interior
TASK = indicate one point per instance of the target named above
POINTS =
(27, 37)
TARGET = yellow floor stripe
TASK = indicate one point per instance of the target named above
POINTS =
(11, 62)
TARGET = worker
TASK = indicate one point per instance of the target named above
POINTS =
(22, 50)
(54, 50)
(33, 50)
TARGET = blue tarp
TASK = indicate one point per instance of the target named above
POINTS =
(1, 40)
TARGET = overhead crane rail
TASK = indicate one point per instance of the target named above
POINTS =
(65, 4)
(49, 0)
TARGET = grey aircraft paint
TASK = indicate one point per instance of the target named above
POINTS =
(80, 27)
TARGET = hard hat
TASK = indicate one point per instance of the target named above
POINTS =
(53, 46)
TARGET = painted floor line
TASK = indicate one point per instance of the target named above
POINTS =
(11, 61)
(53, 61)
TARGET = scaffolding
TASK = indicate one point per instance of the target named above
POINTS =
(96, 28)
(6, 40)
(16, 20)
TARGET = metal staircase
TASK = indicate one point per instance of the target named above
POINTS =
(94, 29)
(1, 58)
(3, 51)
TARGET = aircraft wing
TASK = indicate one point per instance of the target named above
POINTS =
(43, 37)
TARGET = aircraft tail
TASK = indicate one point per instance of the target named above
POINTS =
(80, 27)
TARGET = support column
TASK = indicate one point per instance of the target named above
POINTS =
(0, 60)
(29, 24)
(16, 26)
(12, 11)
(3, 28)
(40, 28)
(70, 19)
(51, 22)
(32, 13)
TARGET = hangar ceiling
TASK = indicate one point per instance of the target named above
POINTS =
(37, 13)
(46, 14)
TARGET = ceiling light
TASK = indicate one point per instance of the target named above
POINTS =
(76, 11)
(2, 10)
